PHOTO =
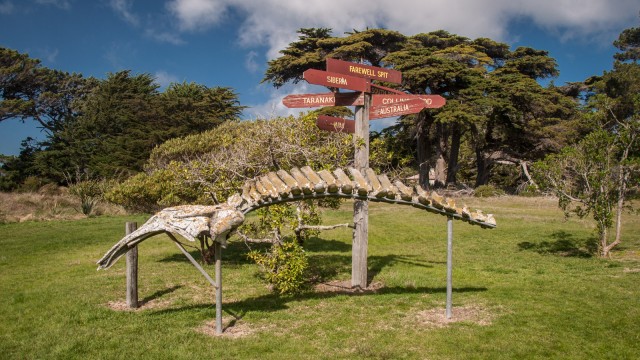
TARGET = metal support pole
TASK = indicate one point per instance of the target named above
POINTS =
(132, 269)
(192, 260)
(361, 207)
(218, 259)
(449, 264)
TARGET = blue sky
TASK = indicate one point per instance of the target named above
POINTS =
(228, 42)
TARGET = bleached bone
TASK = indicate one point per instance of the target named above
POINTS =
(219, 221)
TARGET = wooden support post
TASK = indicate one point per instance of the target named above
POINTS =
(132, 269)
(361, 207)
(218, 259)
(449, 265)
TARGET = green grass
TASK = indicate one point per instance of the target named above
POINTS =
(530, 279)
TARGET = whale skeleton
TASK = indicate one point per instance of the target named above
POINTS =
(219, 221)
(194, 222)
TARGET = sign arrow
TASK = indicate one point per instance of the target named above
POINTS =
(323, 99)
(336, 80)
(430, 101)
(396, 109)
(336, 124)
(364, 71)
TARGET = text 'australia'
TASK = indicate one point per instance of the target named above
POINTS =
(392, 109)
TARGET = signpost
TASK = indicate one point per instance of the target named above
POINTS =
(372, 101)
(336, 124)
(336, 80)
(396, 109)
(364, 71)
(323, 99)
(430, 101)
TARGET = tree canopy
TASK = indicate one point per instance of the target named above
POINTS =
(596, 175)
(103, 127)
(496, 110)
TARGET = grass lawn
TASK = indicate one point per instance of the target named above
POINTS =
(526, 290)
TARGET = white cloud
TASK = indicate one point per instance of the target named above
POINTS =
(198, 14)
(273, 106)
(164, 36)
(274, 23)
(164, 78)
(250, 61)
(6, 8)
(123, 9)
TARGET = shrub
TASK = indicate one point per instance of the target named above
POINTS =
(89, 192)
(529, 191)
(487, 191)
(284, 266)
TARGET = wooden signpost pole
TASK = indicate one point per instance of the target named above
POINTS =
(361, 207)
(132, 269)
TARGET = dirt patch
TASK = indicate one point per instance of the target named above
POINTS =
(344, 287)
(436, 318)
(230, 329)
(142, 305)
(629, 270)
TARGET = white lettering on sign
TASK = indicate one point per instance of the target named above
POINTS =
(386, 101)
(368, 72)
(337, 80)
(392, 109)
(318, 100)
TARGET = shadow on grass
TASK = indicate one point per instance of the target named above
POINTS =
(274, 302)
(158, 294)
(329, 266)
(235, 253)
(316, 244)
(562, 244)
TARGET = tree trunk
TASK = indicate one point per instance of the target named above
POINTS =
(441, 156)
(483, 167)
(423, 149)
(603, 241)
(622, 189)
(452, 169)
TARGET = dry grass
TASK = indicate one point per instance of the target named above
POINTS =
(474, 313)
(48, 203)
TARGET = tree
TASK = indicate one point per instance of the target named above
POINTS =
(30, 91)
(190, 108)
(475, 76)
(105, 128)
(123, 118)
(596, 175)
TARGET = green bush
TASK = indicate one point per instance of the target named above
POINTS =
(89, 192)
(487, 191)
(284, 266)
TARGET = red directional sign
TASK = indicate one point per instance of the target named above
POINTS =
(336, 80)
(323, 99)
(396, 109)
(430, 101)
(336, 124)
(364, 71)
(379, 89)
